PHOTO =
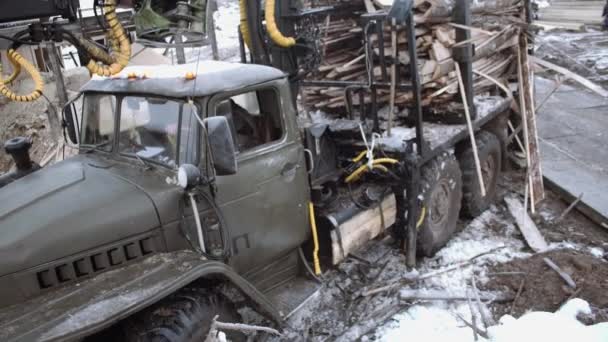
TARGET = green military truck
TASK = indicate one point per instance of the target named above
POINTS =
(200, 177)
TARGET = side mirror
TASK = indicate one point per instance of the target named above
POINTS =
(221, 144)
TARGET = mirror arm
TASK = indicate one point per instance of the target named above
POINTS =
(63, 117)
(197, 219)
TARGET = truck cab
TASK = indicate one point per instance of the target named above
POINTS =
(129, 195)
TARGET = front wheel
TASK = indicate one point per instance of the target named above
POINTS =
(182, 317)
(441, 191)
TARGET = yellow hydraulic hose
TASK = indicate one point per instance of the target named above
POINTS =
(120, 39)
(16, 71)
(421, 218)
(244, 26)
(377, 164)
(363, 168)
(21, 63)
(315, 239)
(385, 161)
(360, 156)
(273, 31)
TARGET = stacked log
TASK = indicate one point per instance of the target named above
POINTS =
(494, 33)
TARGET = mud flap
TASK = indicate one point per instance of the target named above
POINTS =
(350, 234)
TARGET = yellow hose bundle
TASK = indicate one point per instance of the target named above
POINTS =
(273, 31)
(118, 38)
(16, 71)
(244, 27)
(377, 164)
(21, 63)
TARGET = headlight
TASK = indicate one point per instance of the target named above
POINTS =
(188, 176)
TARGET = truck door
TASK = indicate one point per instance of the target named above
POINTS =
(265, 202)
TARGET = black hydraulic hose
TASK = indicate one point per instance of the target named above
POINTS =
(17, 40)
(223, 226)
(99, 21)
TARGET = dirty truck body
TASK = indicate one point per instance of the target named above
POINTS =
(195, 177)
(96, 238)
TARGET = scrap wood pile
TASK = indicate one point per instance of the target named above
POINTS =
(494, 33)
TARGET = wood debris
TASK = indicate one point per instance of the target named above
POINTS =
(494, 35)
(565, 276)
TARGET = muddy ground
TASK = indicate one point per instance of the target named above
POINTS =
(542, 289)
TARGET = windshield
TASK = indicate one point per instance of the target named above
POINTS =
(149, 128)
(98, 121)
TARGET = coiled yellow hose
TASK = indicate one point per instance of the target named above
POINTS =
(21, 63)
(244, 26)
(119, 38)
(273, 31)
(16, 71)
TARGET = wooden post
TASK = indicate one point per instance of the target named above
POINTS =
(527, 109)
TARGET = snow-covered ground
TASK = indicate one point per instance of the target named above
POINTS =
(443, 321)
(440, 323)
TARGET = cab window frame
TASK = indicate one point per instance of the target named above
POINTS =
(270, 146)
(119, 97)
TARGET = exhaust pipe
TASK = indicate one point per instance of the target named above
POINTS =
(19, 149)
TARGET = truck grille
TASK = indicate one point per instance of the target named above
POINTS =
(99, 261)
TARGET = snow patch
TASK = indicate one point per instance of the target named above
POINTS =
(441, 323)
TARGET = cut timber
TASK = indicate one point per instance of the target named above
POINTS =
(533, 237)
(565, 276)
(575, 77)
(352, 234)
(430, 294)
(439, 52)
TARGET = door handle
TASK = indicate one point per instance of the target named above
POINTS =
(289, 171)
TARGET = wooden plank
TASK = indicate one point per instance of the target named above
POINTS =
(537, 192)
(575, 77)
(364, 226)
(369, 6)
(527, 227)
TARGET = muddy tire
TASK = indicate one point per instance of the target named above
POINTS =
(182, 317)
(490, 159)
(441, 189)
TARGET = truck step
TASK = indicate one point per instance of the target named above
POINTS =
(293, 295)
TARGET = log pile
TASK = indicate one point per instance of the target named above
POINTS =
(494, 34)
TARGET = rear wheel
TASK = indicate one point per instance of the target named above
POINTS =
(441, 189)
(182, 317)
(490, 160)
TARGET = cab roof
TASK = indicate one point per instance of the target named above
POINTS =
(207, 78)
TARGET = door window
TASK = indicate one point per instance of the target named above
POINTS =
(254, 117)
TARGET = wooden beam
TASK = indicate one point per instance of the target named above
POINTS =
(527, 227)
(575, 77)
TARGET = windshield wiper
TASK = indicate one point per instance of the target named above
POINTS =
(146, 163)
(97, 146)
